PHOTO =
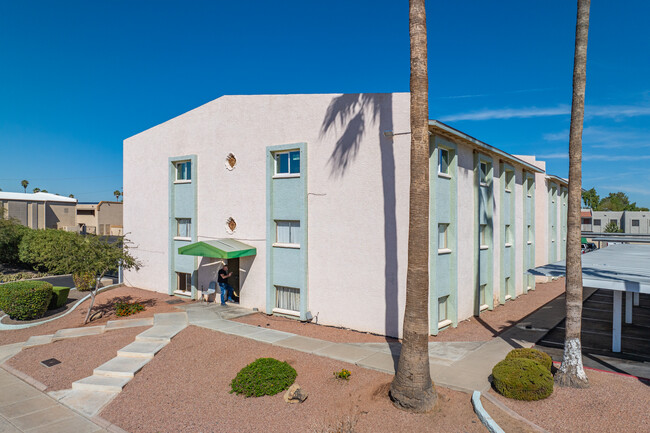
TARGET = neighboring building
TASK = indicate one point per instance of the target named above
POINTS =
(306, 198)
(636, 222)
(103, 218)
(586, 222)
(40, 210)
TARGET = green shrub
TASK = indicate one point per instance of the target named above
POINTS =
(11, 234)
(127, 308)
(84, 281)
(534, 354)
(264, 376)
(59, 297)
(522, 379)
(25, 300)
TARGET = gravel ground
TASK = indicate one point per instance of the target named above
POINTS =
(488, 326)
(613, 403)
(154, 303)
(78, 356)
(186, 389)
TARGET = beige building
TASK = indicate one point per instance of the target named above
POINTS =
(103, 218)
(40, 210)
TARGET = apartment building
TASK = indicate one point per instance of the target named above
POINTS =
(305, 197)
(102, 218)
(39, 210)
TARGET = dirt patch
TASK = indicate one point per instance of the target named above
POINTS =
(613, 403)
(504, 420)
(154, 303)
(186, 389)
(492, 323)
(78, 356)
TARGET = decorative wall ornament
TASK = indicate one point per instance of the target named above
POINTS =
(231, 161)
(231, 225)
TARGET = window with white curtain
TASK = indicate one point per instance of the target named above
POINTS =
(183, 228)
(288, 233)
(287, 298)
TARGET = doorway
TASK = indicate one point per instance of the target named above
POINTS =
(233, 266)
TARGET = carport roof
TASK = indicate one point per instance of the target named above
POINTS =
(616, 267)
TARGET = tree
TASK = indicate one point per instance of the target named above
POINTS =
(571, 372)
(43, 190)
(35, 190)
(71, 196)
(612, 227)
(591, 199)
(117, 194)
(24, 183)
(618, 201)
(412, 388)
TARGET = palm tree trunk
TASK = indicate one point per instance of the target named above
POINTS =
(571, 372)
(412, 388)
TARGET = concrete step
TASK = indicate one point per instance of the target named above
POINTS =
(88, 403)
(141, 349)
(37, 340)
(121, 367)
(78, 332)
(128, 323)
(101, 383)
(160, 333)
(170, 318)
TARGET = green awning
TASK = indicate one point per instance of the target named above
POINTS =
(218, 249)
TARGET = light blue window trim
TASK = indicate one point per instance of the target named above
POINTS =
(283, 207)
(483, 258)
(443, 209)
(553, 229)
(507, 185)
(183, 202)
(529, 219)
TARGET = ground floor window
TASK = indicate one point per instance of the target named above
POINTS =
(443, 309)
(481, 297)
(287, 298)
(183, 282)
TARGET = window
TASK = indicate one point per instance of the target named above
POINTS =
(635, 223)
(596, 222)
(483, 236)
(184, 171)
(183, 228)
(509, 176)
(585, 221)
(443, 161)
(553, 194)
(287, 233)
(481, 295)
(183, 282)
(508, 235)
(530, 235)
(287, 163)
(287, 299)
(442, 237)
(442, 309)
(530, 187)
(615, 222)
(483, 173)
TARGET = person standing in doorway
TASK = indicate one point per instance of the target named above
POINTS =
(226, 289)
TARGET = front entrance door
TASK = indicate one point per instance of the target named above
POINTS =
(233, 266)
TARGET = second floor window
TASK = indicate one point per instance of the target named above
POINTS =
(183, 227)
(184, 171)
(288, 232)
(443, 161)
(287, 163)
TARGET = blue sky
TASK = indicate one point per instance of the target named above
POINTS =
(78, 77)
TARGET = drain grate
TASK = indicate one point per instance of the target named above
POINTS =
(50, 362)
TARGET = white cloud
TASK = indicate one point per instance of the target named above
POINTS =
(591, 111)
(560, 155)
(635, 189)
(608, 157)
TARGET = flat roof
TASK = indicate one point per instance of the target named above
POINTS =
(39, 196)
(482, 145)
(620, 267)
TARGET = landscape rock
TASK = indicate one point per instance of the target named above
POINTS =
(295, 394)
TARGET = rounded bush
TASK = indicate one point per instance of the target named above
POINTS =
(84, 281)
(534, 354)
(522, 379)
(264, 376)
(25, 300)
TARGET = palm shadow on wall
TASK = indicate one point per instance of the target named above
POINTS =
(349, 117)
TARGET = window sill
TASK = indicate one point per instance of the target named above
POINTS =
(444, 175)
(182, 293)
(507, 190)
(529, 243)
(529, 195)
(286, 312)
(483, 184)
(508, 245)
(444, 251)
(183, 181)
(281, 245)
(483, 247)
(484, 307)
(285, 176)
(180, 238)
(444, 323)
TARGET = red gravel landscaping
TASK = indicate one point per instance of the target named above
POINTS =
(613, 403)
(154, 303)
(186, 389)
(78, 356)
(489, 325)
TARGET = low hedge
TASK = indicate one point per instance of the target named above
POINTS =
(59, 297)
(264, 376)
(522, 379)
(534, 354)
(25, 300)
